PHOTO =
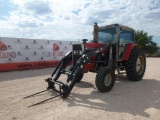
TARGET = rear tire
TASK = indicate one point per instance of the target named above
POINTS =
(136, 65)
(105, 79)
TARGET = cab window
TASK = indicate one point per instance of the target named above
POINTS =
(126, 36)
(107, 35)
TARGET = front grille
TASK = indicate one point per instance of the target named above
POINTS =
(77, 46)
(78, 50)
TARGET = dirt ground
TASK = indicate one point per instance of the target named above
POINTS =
(127, 101)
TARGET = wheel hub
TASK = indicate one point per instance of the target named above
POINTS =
(107, 80)
(139, 65)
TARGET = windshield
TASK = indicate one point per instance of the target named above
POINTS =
(107, 35)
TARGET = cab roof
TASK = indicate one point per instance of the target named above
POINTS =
(116, 25)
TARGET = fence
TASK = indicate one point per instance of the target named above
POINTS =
(21, 53)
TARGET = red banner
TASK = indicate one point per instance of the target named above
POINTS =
(28, 65)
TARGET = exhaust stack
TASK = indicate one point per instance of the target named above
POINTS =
(95, 33)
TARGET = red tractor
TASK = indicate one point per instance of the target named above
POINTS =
(113, 48)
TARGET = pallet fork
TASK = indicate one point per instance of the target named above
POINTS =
(65, 88)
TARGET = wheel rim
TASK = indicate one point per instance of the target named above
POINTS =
(140, 65)
(107, 80)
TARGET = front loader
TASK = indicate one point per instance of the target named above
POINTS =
(113, 49)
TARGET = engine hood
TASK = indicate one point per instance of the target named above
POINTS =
(90, 46)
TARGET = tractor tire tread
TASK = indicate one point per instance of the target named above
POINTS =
(130, 64)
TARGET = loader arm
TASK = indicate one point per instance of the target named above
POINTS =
(65, 88)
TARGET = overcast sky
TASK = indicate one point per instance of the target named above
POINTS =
(73, 19)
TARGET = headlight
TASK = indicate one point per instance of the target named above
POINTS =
(77, 52)
(78, 49)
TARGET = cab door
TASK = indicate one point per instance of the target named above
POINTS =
(126, 36)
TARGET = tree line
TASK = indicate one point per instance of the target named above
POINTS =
(145, 42)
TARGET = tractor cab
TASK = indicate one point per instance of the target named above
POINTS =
(114, 33)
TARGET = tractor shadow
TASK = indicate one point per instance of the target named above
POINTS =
(84, 84)
(126, 97)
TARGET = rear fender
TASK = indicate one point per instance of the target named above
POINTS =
(128, 49)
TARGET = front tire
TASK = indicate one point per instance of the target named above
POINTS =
(78, 77)
(136, 65)
(105, 79)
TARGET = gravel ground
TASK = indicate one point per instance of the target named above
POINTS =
(127, 101)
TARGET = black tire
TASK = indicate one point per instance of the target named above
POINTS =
(136, 65)
(104, 84)
(78, 77)
(97, 76)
